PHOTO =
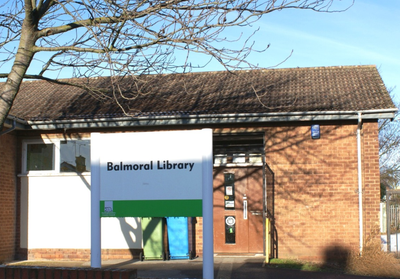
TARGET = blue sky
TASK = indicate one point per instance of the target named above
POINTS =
(366, 34)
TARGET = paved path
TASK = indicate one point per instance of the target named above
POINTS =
(224, 268)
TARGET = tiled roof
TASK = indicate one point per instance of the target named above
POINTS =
(322, 89)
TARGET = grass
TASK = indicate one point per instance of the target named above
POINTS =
(302, 265)
(372, 262)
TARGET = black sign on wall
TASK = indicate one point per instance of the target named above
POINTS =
(229, 191)
(230, 229)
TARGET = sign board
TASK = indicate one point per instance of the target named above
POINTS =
(315, 131)
(152, 174)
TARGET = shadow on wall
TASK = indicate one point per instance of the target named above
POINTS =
(300, 201)
(129, 233)
(336, 255)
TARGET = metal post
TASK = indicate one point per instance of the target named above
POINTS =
(95, 241)
(396, 227)
(267, 240)
(388, 221)
(208, 238)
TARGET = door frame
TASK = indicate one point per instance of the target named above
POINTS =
(244, 143)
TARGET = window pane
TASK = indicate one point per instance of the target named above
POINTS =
(75, 156)
(40, 157)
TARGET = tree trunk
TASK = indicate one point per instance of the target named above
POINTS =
(23, 59)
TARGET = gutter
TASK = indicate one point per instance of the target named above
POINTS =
(205, 119)
(15, 123)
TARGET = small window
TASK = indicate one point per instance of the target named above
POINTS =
(75, 156)
(255, 158)
(40, 157)
(220, 159)
(239, 158)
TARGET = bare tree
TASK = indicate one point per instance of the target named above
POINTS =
(126, 37)
(389, 153)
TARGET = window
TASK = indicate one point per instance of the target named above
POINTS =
(56, 156)
(39, 157)
(238, 159)
(238, 149)
(75, 156)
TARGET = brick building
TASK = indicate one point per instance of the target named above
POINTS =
(295, 146)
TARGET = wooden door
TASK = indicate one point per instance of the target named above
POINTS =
(238, 207)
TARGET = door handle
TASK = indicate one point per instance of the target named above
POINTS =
(256, 212)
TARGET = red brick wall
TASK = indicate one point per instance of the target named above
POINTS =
(371, 178)
(199, 236)
(312, 188)
(81, 254)
(40, 272)
(316, 188)
(315, 191)
(7, 196)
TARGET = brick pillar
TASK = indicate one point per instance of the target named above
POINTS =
(7, 196)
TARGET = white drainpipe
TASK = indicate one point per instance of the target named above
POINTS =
(360, 208)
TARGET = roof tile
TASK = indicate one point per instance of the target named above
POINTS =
(349, 88)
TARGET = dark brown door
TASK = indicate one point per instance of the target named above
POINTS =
(238, 207)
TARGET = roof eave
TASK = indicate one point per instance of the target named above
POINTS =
(206, 119)
(14, 122)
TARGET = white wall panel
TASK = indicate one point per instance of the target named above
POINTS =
(59, 216)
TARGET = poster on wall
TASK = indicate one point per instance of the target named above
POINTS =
(152, 174)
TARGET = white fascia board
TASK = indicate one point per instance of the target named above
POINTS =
(209, 119)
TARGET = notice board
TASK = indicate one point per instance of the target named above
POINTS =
(151, 174)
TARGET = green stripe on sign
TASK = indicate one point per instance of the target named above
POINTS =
(153, 208)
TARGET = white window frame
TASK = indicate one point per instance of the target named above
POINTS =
(56, 156)
(59, 154)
